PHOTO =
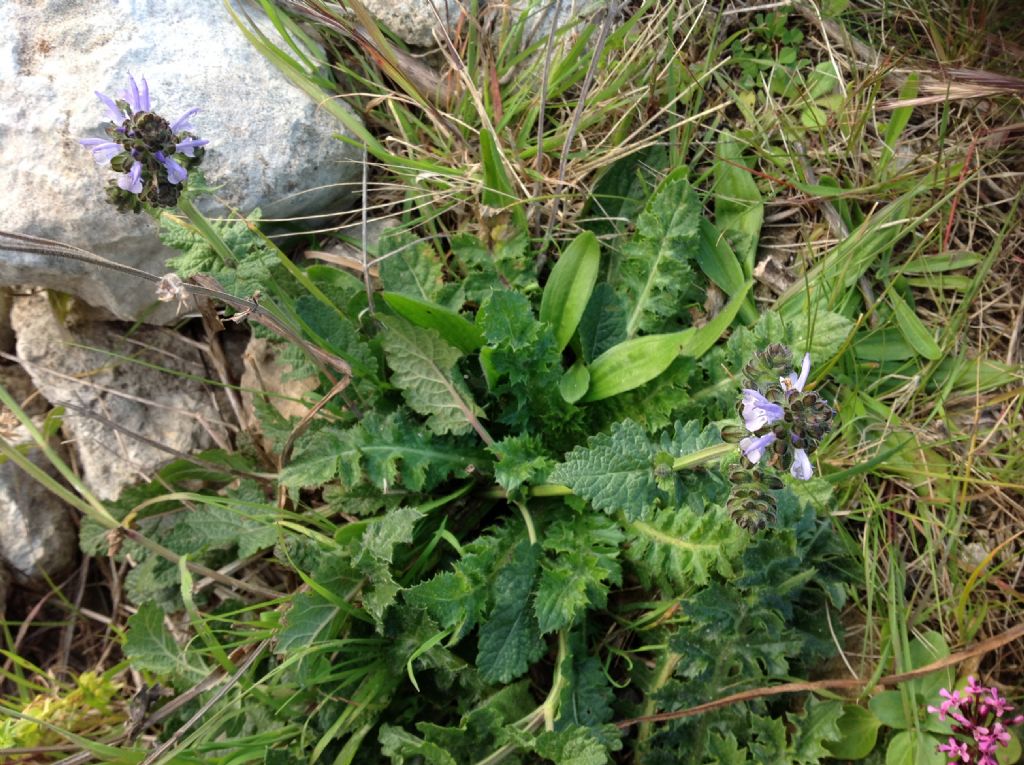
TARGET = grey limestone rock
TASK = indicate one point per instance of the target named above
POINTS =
(37, 535)
(270, 145)
(93, 369)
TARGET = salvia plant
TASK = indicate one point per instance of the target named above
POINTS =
(151, 155)
(537, 509)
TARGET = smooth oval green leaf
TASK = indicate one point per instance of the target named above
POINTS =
(570, 286)
(718, 260)
(908, 747)
(911, 327)
(859, 729)
(453, 328)
(632, 363)
(888, 708)
(882, 345)
(701, 340)
(574, 382)
(822, 80)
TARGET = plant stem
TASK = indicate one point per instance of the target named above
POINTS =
(531, 532)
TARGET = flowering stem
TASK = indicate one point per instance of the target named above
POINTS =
(707, 454)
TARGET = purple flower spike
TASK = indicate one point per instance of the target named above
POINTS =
(759, 411)
(753, 448)
(175, 172)
(795, 382)
(188, 147)
(102, 151)
(132, 180)
(182, 123)
(801, 467)
(152, 159)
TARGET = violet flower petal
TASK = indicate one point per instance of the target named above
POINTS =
(753, 448)
(144, 97)
(116, 115)
(798, 382)
(175, 172)
(758, 411)
(102, 151)
(182, 123)
(188, 147)
(132, 180)
(132, 94)
(801, 467)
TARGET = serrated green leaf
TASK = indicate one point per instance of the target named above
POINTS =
(619, 195)
(383, 452)
(150, 647)
(521, 460)
(376, 551)
(821, 334)
(313, 617)
(677, 549)
(654, 273)
(572, 746)
(452, 598)
(814, 727)
(337, 334)
(614, 471)
(586, 698)
(402, 746)
(509, 639)
(452, 327)
(211, 527)
(561, 596)
(570, 286)
(409, 265)
(603, 324)
(456, 599)
(424, 369)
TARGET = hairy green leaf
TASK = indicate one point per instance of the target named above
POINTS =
(424, 368)
(678, 550)
(603, 324)
(151, 647)
(410, 267)
(383, 452)
(510, 639)
(655, 273)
